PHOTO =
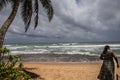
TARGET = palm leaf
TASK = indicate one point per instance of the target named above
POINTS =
(3, 4)
(47, 5)
(36, 10)
(26, 12)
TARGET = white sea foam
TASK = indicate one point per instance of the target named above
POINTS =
(61, 48)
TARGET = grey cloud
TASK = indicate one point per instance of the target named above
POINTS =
(109, 13)
(32, 35)
(76, 16)
(74, 20)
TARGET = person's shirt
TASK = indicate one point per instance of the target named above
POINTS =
(108, 55)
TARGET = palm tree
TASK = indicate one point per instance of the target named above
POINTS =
(28, 8)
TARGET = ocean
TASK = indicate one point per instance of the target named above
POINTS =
(64, 49)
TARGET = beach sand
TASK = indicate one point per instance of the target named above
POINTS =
(65, 70)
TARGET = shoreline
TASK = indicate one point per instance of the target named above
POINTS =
(62, 63)
(58, 58)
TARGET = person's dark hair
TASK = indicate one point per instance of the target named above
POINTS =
(106, 49)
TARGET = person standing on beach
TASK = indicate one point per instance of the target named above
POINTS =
(108, 66)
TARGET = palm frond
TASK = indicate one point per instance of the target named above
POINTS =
(26, 12)
(47, 5)
(36, 10)
(27, 25)
(3, 4)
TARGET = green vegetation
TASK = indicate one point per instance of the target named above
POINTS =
(11, 66)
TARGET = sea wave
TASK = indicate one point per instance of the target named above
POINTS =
(62, 48)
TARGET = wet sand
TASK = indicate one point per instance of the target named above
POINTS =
(58, 58)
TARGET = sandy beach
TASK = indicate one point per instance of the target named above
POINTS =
(65, 70)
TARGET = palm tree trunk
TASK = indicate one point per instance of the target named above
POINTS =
(8, 22)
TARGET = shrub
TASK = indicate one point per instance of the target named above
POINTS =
(11, 66)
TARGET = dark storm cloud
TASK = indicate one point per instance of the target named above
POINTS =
(74, 20)
(109, 13)
(32, 35)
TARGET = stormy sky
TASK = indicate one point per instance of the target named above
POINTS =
(73, 21)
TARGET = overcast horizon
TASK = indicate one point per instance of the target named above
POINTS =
(73, 21)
